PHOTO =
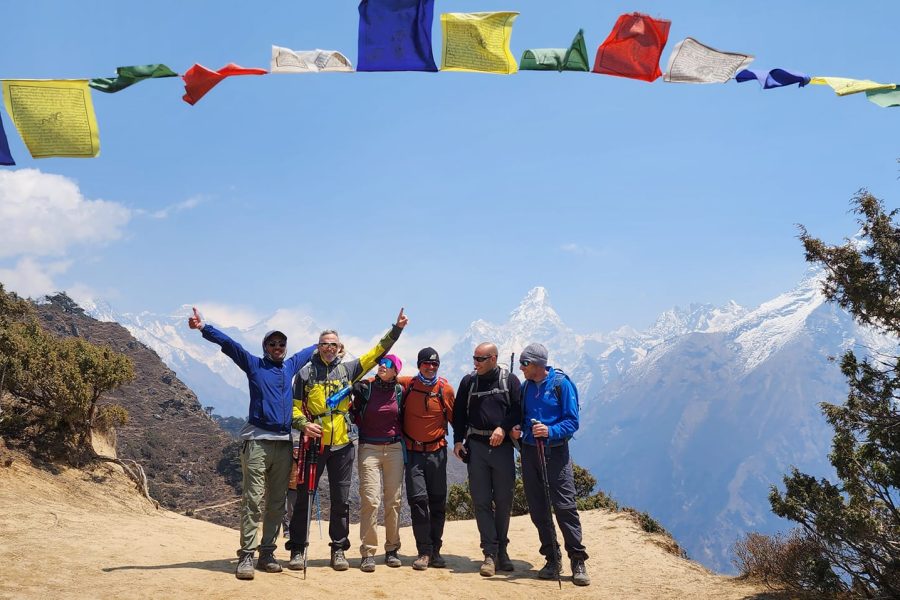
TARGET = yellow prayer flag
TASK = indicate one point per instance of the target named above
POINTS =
(843, 86)
(478, 42)
(54, 118)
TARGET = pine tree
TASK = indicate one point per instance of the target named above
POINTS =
(855, 521)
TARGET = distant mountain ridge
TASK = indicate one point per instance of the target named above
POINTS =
(691, 419)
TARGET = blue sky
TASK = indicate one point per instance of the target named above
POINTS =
(346, 196)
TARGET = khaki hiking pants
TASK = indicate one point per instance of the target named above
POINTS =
(380, 467)
(266, 468)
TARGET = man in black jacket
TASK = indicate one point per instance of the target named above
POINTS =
(487, 408)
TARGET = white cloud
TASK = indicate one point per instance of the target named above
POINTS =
(30, 278)
(163, 213)
(579, 249)
(42, 214)
(226, 315)
(407, 347)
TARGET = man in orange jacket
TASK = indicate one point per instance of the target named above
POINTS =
(427, 409)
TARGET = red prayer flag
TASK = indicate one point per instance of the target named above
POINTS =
(198, 79)
(633, 47)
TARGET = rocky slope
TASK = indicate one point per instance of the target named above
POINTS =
(184, 452)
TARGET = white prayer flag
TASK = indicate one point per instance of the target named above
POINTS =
(693, 62)
(285, 60)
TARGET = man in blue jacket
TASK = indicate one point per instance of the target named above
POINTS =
(266, 449)
(550, 412)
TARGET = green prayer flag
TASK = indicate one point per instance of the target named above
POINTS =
(884, 98)
(577, 56)
(543, 59)
(126, 76)
(557, 59)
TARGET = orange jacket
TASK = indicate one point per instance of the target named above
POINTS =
(425, 421)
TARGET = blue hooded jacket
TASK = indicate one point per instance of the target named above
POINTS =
(271, 393)
(558, 410)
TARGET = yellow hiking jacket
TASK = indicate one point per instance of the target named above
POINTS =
(317, 381)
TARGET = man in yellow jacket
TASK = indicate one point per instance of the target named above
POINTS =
(324, 376)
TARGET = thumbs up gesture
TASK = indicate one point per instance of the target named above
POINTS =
(195, 322)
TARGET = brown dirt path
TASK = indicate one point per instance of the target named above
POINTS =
(89, 535)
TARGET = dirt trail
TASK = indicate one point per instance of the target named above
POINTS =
(89, 535)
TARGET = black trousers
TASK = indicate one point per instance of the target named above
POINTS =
(492, 477)
(426, 493)
(340, 469)
(561, 475)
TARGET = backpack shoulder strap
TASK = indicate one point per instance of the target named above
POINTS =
(399, 393)
(440, 395)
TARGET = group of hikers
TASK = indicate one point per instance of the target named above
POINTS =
(401, 424)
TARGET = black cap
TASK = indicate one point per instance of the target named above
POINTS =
(427, 354)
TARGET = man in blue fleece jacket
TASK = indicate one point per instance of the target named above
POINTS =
(266, 449)
(550, 412)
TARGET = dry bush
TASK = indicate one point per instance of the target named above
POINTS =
(792, 561)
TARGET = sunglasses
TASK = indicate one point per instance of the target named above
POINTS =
(386, 363)
(329, 344)
(481, 359)
(276, 344)
(524, 363)
(431, 363)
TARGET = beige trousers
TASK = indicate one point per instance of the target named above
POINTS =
(380, 467)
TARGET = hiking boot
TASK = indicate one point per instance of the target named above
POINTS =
(437, 561)
(268, 563)
(579, 573)
(421, 563)
(339, 561)
(487, 567)
(551, 569)
(503, 562)
(244, 568)
(391, 559)
(367, 564)
(296, 562)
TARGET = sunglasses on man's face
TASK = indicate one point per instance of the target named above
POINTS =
(386, 363)
(481, 359)
(276, 344)
(524, 363)
(431, 363)
(328, 344)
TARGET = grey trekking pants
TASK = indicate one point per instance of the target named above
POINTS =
(561, 475)
(266, 468)
(492, 477)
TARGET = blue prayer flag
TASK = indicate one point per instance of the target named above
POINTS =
(5, 156)
(775, 78)
(395, 35)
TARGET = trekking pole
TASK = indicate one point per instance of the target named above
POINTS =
(318, 514)
(543, 458)
(313, 457)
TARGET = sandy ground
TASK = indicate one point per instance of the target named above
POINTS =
(89, 535)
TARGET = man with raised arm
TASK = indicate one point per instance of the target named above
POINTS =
(266, 448)
(487, 408)
(550, 407)
(328, 423)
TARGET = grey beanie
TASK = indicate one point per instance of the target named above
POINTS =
(536, 353)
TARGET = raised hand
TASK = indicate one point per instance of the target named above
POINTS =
(402, 319)
(195, 322)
